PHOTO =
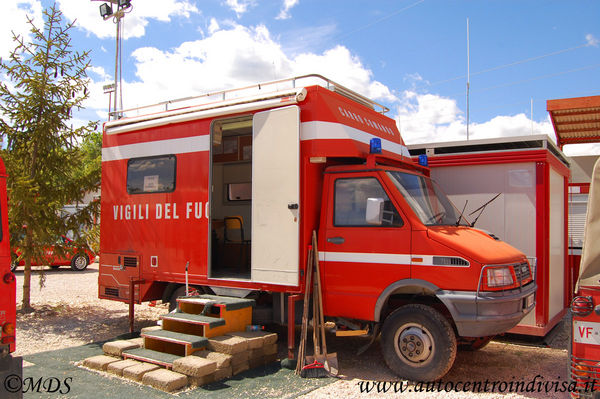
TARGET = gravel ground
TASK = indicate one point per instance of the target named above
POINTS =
(68, 313)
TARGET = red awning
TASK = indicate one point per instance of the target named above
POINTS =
(575, 120)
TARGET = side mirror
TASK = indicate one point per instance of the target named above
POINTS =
(374, 212)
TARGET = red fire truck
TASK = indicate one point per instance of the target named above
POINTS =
(585, 344)
(8, 310)
(223, 191)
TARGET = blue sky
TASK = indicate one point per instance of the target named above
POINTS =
(410, 55)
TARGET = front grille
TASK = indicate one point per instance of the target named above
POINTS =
(522, 271)
(449, 261)
(129, 261)
(111, 292)
(585, 374)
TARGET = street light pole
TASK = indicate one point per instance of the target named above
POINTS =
(106, 12)
(117, 58)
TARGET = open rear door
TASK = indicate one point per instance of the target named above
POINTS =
(276, 196)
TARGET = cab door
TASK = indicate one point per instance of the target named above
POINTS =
(360, 257)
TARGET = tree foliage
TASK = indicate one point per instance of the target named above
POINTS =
(49, 162)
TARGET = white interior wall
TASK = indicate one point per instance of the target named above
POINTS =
(557, 248)
(511, 216)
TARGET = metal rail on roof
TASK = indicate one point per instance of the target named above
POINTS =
(223, 95)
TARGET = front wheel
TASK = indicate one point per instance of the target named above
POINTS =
(418, 343)
(79, 262)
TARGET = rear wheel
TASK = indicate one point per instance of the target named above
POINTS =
(418, 343)
(79, 262)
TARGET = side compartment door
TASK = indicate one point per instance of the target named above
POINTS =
(276, 196)
(360, 257)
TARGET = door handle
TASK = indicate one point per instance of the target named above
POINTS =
(336, 240)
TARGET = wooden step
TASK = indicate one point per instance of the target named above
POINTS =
(197, 319)
(150, 356)
(194, 341)
(229, 303)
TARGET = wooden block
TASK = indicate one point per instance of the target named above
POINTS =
(255, 338)
(118, 367)
(165, 380)
(137, 372)
(270, 349)
(240, 357)
(256, 362)
(228, 344)
(255, 353)
(194, 366)
(99, 362)
(116, 348)
(199, 381)
(151, 328)
(137, 341)
(223, 360)
(225, 372)
(240, 367)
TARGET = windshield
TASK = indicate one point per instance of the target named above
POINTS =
(426, 199)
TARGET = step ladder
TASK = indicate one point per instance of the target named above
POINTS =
(187, 330)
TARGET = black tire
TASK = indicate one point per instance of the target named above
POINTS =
(79, 262)
(430, 343)
(475, 344)
(55, 267)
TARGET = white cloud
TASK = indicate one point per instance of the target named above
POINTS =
(427, 118)
(592, 40)
(251, 56)
(574, 150)
(213, 27)
(287, 6)
(13, 19)
(239, 6)
(88, 16)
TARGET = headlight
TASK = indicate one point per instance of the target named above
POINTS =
(498, 277)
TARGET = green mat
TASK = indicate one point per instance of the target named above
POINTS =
(269, 381)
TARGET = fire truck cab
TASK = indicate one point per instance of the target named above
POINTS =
(225, 195)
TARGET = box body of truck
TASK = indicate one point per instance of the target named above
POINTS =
(225, 196)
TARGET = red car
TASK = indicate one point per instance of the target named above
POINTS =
(77, 258)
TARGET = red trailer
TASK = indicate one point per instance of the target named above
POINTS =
(530, 174)
(8, 309)
(225, 192)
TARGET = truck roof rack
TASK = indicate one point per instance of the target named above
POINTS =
(240, 92)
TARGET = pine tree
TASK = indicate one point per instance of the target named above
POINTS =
(44, 82)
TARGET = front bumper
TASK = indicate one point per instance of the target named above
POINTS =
(488, 313)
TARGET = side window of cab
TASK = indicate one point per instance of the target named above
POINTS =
(362, 202)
